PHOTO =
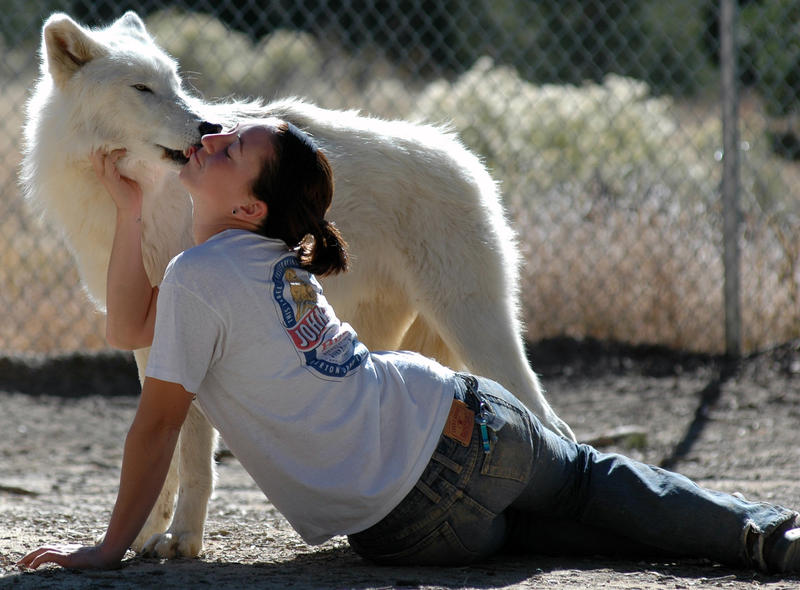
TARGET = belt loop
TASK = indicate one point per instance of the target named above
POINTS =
(471, 394)
(460, 389)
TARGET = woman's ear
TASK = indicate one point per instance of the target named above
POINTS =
(254, 211)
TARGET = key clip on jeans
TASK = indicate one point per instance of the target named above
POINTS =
(481, 420)
(483, 412)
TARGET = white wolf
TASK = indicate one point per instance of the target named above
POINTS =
(434, 265)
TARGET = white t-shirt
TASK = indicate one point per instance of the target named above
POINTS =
(334, 435)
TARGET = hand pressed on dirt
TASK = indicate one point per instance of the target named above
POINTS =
(70, 556)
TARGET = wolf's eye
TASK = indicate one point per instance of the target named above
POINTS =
(142, 88)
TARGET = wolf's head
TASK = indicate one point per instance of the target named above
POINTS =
(121, 89)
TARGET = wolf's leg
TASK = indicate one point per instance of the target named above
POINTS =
(504, 360)
(161, 514)
(184, 538)
(483, 336)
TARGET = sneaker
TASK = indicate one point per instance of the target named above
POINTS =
(782, 553)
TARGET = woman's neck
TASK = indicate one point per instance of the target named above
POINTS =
(204, 231)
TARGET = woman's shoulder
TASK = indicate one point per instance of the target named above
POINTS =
(195, 263)
(190, 259)
(219, 256)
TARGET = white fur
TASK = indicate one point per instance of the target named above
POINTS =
(434, 264)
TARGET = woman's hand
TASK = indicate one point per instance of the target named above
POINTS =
(149, 447)
(126, 192)
(130, 298)
(70, 556)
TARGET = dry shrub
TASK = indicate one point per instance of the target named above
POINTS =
(616, 203)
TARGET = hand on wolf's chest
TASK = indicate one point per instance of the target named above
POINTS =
(125, 192)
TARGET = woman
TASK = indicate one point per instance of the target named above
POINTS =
(416, 463)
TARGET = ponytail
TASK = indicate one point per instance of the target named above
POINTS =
(297, 186)
(325, 251)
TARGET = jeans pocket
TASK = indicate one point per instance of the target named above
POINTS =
(439, 547)
(510, 452)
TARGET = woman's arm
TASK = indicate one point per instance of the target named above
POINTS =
(149, 446)
(130, 298)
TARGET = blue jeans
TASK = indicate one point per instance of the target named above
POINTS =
(535, 492)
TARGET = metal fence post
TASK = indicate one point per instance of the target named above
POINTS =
(730, 178)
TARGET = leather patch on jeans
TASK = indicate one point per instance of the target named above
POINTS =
(460, 423)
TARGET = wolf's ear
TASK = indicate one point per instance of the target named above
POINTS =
(133, 25)
(67, 47)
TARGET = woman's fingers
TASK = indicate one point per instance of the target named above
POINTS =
(48, 554)
(105, 163)
(124, 191)
(70, 556)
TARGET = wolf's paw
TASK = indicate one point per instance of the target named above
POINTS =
(156, 524)
(171, 544)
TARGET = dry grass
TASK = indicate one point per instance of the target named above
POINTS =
(614, 195)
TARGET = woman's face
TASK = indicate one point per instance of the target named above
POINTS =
(220, 174)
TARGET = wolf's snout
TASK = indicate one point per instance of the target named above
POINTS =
(207, 128)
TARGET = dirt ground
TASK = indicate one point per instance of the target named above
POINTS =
(731, 427)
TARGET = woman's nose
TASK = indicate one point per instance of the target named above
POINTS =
(213, 141)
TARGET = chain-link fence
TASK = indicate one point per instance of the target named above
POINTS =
(602, 120)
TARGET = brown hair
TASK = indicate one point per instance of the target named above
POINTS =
(297, 186)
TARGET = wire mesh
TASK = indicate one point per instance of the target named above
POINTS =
(601, 119)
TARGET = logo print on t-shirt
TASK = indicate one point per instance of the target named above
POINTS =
(328, 346)
(303, 293)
